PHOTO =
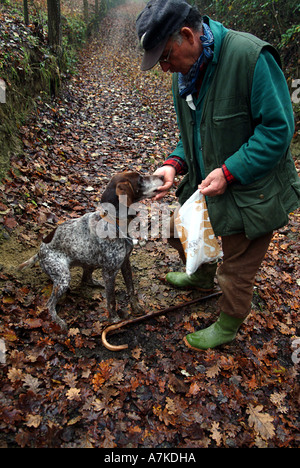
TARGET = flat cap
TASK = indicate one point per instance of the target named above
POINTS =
(156, 23)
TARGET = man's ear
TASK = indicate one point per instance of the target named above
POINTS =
(188, 34)
(125, 190)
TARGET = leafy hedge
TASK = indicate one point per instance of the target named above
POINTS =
(29, 68)
(275, 21)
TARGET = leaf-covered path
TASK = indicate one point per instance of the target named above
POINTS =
(68, 390)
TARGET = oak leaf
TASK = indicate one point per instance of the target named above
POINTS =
(215, 433)
(33, 322)
(213, 371)
(103, 374)
(33, 420)
(171, 406)
(73, 394)
(194, 389)
(15, 374)
(136, 353)
(277, 399)
(108, 440)
(32, 383)
(70, 379)
(261, 422)
(252, 383)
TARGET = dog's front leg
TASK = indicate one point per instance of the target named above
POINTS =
(127, 275)
(110, 283)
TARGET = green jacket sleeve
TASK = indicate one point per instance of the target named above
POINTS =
(179, 150)
(272, 111)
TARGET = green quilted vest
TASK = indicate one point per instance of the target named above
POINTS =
(256, 208)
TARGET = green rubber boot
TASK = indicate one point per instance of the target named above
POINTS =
(223, 331)
(202, 279)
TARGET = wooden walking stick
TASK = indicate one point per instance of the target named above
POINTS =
(119, 325)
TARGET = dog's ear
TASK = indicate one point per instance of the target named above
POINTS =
(109, 194)
(125, 189)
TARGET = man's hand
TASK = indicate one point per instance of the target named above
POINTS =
(169, 174)
(214, 184)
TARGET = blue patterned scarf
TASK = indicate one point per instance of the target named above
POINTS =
(187, 83)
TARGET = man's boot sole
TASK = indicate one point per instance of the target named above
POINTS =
(192, 347)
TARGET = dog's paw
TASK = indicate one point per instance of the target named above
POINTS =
(114, 318)
(57, 320)
(62, 324)
(137, 309)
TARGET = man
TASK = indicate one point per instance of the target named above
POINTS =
(236, 124)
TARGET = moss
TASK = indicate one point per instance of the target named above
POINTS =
(21, 95)
(31, 72)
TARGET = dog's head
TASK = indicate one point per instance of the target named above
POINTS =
(132, 187)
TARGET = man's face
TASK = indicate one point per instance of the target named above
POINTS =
(180, 57)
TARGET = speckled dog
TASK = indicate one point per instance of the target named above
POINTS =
(81, 242)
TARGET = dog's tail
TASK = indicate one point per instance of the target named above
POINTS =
(29, 263)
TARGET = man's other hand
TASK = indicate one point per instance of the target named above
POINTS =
(214, 184)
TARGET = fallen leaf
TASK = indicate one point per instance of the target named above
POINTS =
(277, 399)
(261, 422)
(32, 383)
(33, 420)
(33, 323)
(194, 389)
(74, 421)
(73, 394)
(10, 223)
(136, 353)
(15, 374)
(215, 433)
(213, 371)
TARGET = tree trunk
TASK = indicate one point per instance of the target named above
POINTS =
(86, 10)
(54, 24)
(26, 15)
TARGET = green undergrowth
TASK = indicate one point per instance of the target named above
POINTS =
(30, 70)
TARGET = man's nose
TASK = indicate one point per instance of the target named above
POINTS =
(165, 66)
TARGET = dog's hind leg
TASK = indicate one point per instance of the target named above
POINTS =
(87, 278)
(60, 275)
(57, 292)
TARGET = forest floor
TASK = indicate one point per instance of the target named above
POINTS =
(68, 390)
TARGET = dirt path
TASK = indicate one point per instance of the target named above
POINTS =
(110, 117)
(67, 390)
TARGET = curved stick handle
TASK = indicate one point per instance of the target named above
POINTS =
(116, 326)
(105, 342)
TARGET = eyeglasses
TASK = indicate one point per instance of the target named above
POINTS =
(164, 60)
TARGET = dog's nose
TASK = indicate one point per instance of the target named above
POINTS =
(161, 177)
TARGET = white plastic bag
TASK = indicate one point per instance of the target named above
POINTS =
(196, 233)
